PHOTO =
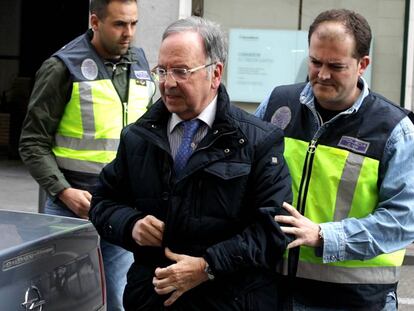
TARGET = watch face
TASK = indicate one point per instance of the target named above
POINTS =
(210, 274)
(320, 233)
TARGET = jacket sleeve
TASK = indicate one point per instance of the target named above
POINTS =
(262, 243)
(50, 94)
(111, 208)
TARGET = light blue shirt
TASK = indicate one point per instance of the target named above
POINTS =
(391, 226)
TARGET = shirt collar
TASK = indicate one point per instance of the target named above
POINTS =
(307, 97)
(207, 115)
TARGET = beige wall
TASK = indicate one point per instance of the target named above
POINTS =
(273, 14)
(154, 17)
(386, 18)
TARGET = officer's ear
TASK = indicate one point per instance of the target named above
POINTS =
(363, 64)
(94, 21)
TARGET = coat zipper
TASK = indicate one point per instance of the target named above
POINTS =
(124, 114)
(124, 104)
(293, 257)
(306, 174)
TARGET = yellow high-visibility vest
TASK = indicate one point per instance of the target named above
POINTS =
(88, 134)
(341, 184)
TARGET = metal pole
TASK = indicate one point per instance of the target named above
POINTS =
(42, 200)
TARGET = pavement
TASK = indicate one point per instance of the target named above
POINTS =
(18, 191)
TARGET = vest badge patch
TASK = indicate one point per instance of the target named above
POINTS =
(89, 69)
(142, 75)
(282, 116)
(354, 144)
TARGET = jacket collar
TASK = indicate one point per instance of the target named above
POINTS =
(155, 120)
(221, 140)
(223, 119)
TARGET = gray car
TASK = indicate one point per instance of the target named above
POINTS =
(49, 263)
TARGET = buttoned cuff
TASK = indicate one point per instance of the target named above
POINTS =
(333, 242)
(54, 189)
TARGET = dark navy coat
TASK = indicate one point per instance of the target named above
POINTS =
(220, 208)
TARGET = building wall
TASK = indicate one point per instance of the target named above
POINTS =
(154, 17)
(386, 18)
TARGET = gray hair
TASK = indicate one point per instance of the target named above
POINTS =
(215, 42)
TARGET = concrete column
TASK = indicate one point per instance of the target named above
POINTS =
(185, 8)
(153, 17)
(409, 81)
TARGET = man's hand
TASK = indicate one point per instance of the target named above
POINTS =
(78, 201)
(305, 230)
(187, 273)
(148, 231)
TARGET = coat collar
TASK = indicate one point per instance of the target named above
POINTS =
(221, 141)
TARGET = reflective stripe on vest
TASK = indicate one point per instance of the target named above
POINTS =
(81, 165)
(88, 134)
(342, 185)
(346, 275)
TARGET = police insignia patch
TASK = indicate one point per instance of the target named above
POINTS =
(142, 75)
(354, 144)
(282, 116)
(89, 69)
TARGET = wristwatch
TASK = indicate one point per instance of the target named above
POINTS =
(320, 233)
(210, 274)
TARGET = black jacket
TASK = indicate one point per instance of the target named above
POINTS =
(220, 208)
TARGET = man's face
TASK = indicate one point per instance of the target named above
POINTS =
(333, 71)
(114, 33)
(188, 98)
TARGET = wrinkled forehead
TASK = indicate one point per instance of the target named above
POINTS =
(186, 46)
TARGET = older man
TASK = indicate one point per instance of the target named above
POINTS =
(194, 187)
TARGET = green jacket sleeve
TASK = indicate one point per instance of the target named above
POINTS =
(50, 94)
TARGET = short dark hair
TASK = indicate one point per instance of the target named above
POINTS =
(355, 24)
(215, 42)
(98, 7)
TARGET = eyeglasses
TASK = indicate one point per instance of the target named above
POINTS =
(178, 74)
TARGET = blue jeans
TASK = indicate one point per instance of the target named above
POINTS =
(116, 260)
(390, 305)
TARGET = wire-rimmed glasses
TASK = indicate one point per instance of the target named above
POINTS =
(178, 74)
